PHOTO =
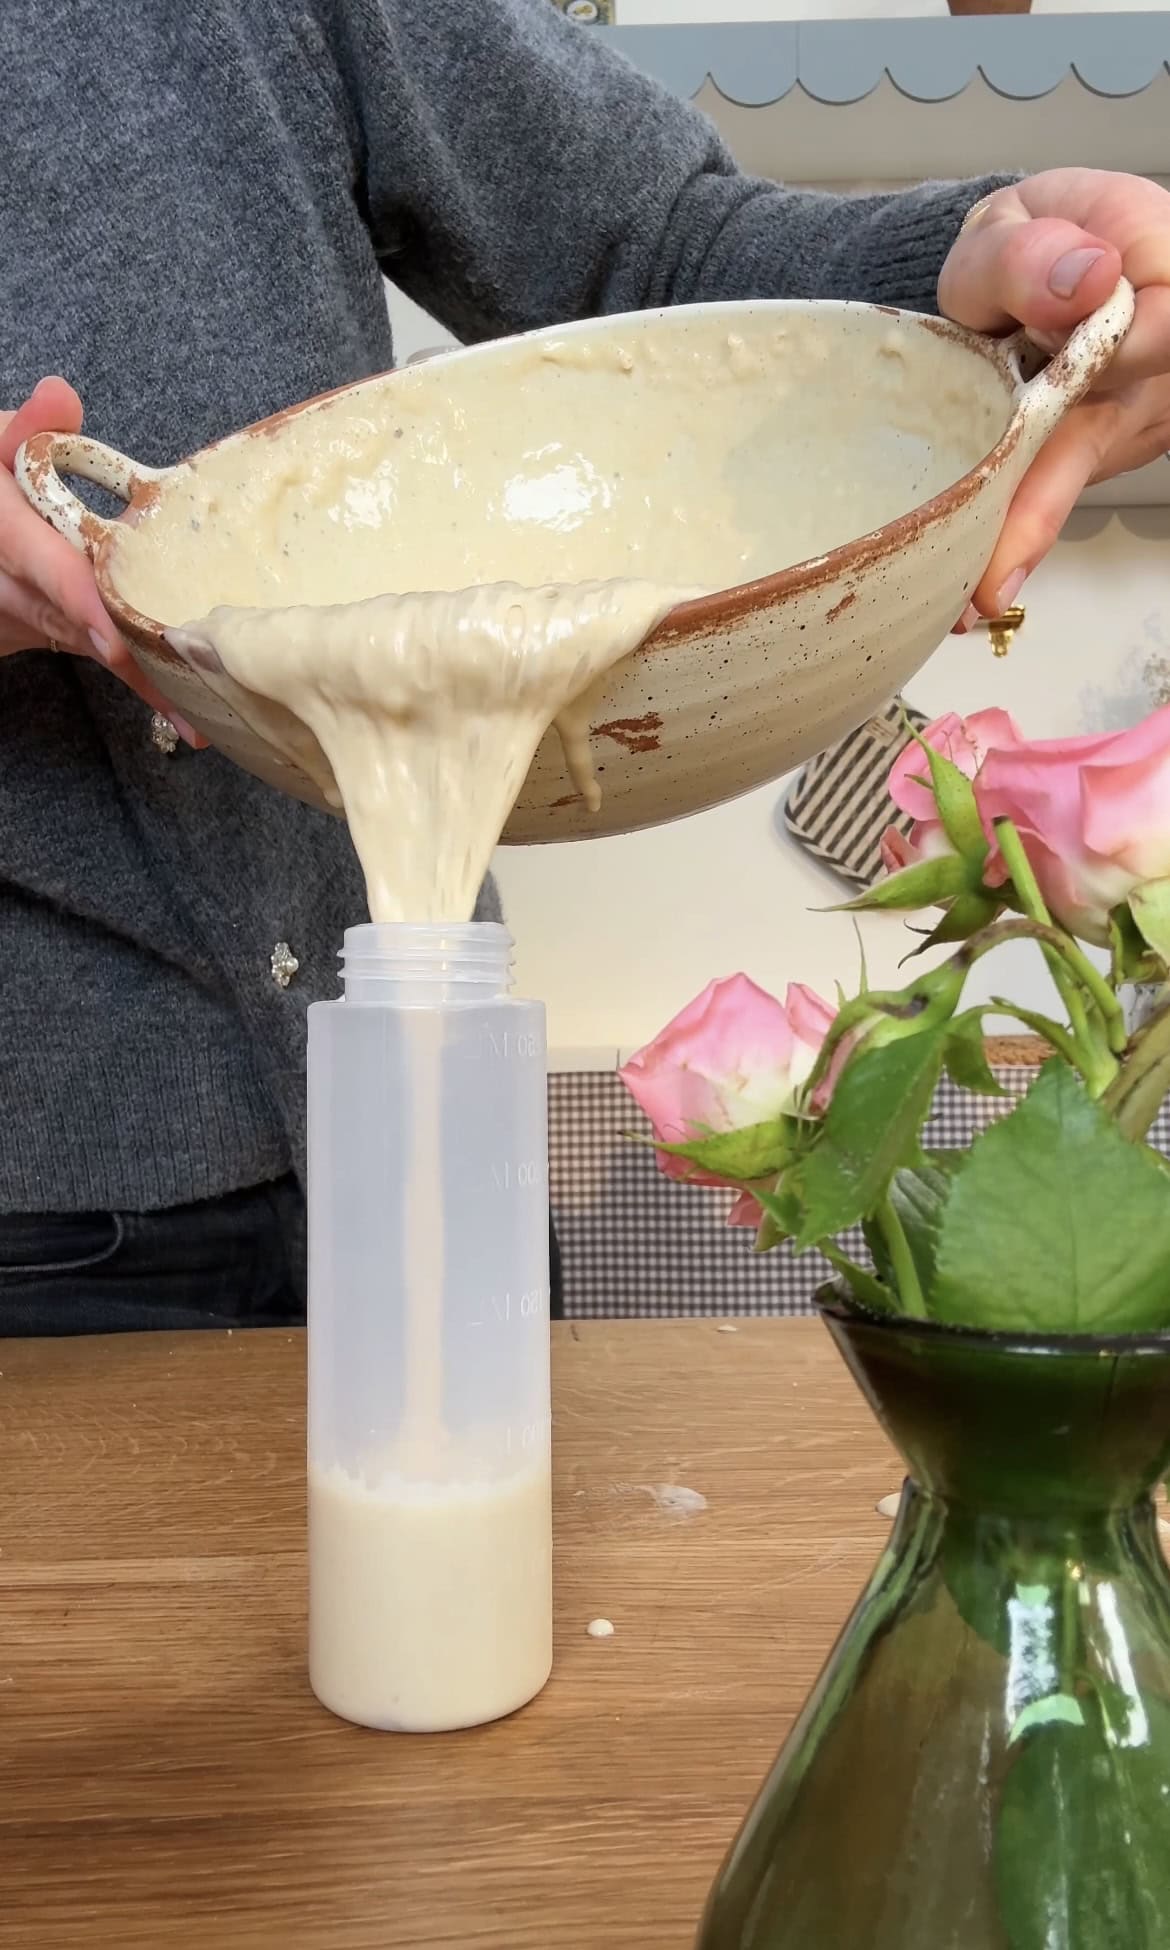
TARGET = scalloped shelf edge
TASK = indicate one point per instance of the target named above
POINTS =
(1023, 57)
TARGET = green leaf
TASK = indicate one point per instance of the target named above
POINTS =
(781, 1221)
(1055, 1223)
(782, 1212)
(862, 1284)
(917, 1195)
(954, 795)
(1079, 1847)
(882, 1098)
(1150, 906)
(756, 1151)
(1129, 955)
(928, 884)
(768, 1234)
(965, 1056)
(965, 916)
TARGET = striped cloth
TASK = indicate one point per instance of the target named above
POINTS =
(839, 807)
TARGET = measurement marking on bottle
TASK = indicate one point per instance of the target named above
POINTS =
(532, 1304)
(524, 1439)
(520, 1044)
(521, 1174)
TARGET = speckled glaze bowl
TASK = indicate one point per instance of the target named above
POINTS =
(836, 474)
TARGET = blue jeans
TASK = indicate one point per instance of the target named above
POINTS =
(236, 1261)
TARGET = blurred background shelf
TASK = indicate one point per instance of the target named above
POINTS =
(1030, 83)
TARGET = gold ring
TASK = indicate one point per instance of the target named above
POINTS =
(54, 645)
(977, 212)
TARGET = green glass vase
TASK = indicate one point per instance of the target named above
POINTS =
(984, 1763)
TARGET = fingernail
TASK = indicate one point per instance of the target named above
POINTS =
(1069, 272)
(1010, 589)
(104, 648)
(187, 732)
(967, 621)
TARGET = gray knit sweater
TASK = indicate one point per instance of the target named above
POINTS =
(197, 200)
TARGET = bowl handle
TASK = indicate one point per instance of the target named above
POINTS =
(1087, 352)
(43, 459)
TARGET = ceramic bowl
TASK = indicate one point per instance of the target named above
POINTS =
(836, 475)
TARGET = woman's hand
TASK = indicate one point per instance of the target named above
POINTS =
(48, 596)
(1046, 254)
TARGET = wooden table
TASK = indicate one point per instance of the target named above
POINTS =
(167, 1779)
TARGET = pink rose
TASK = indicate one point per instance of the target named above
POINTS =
(966, 742)
(734, 1057)
(746, 1212)
(1093, 814)
(926, 841)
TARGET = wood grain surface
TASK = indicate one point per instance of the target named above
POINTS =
(167, 1779)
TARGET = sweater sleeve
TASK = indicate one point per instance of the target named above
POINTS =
(516, 171)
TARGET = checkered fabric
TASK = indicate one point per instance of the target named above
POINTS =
(634, 1243)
